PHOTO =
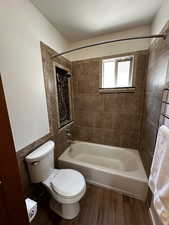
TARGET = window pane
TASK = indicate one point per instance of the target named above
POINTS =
(123, 74)
(108, 75)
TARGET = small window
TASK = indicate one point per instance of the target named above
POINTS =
(117, 72)
(63, 95)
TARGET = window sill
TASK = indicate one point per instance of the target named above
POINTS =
(117, 90)
(67, 125)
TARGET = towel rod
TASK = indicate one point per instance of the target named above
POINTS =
(110, 41)
(164, 115)
(165, 102)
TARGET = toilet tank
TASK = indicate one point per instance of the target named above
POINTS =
(41, 162)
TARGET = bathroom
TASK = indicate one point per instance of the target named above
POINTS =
(99, 134)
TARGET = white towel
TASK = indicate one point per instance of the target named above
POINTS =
(159, 176)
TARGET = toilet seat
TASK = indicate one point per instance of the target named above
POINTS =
(68, 183)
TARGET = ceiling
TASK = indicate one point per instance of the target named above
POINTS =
(83, 19)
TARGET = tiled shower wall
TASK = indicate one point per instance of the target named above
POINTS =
(111, 119)
(51, 93)
(156, 80)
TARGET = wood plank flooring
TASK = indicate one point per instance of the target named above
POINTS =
(100, 207)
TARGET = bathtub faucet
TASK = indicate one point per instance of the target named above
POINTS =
(69, 137)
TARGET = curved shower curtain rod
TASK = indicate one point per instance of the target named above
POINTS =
(110, 41)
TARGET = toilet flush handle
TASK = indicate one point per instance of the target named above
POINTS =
(35, 163)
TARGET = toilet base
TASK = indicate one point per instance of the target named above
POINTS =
(66, 211)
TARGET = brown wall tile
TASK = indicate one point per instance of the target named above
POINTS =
(111, 119)
(156, 80)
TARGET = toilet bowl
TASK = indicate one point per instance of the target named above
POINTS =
(66, 186)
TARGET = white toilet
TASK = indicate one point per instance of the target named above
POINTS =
(66, 186)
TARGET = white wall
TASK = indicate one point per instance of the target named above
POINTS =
(115, 48)
(22, 28)
(161, 18)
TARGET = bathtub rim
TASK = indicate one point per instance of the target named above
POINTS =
(64, 157)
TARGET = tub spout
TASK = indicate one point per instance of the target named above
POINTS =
(69, 137)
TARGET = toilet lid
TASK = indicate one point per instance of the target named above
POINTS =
(68, 182)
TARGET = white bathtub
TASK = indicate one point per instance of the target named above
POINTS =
(117, 168)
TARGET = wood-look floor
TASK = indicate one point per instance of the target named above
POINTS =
(100, 207)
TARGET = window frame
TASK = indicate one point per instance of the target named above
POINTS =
(124, 58)
(70, 90)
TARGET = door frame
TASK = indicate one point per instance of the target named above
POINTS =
(11, 187)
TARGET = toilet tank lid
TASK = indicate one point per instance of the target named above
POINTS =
(41, 152)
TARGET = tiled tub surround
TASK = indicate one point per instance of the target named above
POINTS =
(157, 78)
(112, 118)
(50, 86)
(116, 168)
